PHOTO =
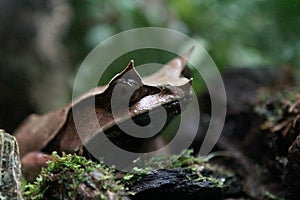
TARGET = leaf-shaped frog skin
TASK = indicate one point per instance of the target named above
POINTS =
(56, 130)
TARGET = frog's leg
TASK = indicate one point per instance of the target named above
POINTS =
(32, 164)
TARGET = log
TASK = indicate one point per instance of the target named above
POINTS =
(183, 183)
(10, 167)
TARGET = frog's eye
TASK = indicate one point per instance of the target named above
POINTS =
(136, 96)
(129, 87)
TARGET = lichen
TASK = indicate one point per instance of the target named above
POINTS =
(10, 167)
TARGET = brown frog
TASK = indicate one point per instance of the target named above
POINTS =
(56, 131)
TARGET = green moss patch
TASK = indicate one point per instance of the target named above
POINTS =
(74, 177)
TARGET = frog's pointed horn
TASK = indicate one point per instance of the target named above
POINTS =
(187, 54)
(131, 73)
(179, 63)
(171, 71)
(128, 73)
(187, 85)
(130, 66)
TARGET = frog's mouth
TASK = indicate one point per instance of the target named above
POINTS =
(144, 145)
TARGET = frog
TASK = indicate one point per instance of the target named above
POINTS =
(39, 135)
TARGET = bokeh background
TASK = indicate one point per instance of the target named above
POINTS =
(44, 42)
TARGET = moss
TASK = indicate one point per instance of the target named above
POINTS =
(71, 175)
(198, 165)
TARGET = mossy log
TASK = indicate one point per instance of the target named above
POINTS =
(75, 177)
(182, 183)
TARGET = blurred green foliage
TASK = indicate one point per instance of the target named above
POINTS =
(234, 32)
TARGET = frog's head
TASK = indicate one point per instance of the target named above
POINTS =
(131, 107)
(142, 106)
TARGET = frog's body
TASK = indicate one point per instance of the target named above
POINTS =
(57, 131)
